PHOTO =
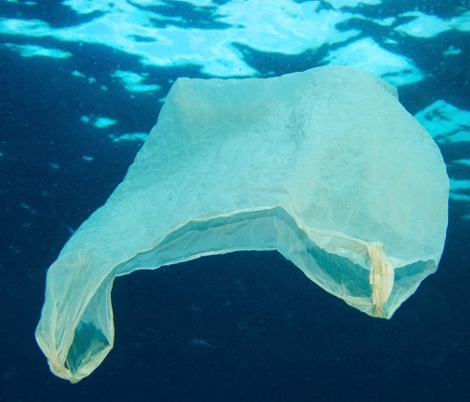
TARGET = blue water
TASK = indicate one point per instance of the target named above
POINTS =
(82, 83)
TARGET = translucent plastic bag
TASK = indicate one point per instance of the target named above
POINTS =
(324, 166)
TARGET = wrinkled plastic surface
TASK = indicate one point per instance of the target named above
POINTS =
(324, 166)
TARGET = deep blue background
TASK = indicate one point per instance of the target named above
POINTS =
(276, 335)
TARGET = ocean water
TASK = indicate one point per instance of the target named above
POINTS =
(82, 83)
